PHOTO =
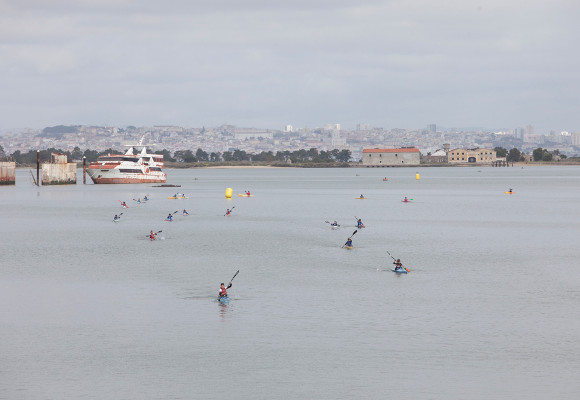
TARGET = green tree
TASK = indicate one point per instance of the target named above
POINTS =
(538, 154)
(547, 156)
(240, 155)
(166, 155)
(91, 155)
(500, 152)
(201, 155)
(227, 156)
(343, 156)
(76, 154)
(185, 156)
(514, 155)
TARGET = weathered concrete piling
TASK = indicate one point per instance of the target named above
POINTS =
(58, 171)
(7, 172)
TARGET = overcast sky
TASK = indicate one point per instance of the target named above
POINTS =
(267, 63)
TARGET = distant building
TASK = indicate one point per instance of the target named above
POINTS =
(440, 156)
(332, 127)
(391, 157)
(432, 128)
(458, 156)
(288, 128)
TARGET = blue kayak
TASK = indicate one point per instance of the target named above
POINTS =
(400, 270)
(224, 300)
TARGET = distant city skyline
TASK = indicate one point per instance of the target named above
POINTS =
(494, 64)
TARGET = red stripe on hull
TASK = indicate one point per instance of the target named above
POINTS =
(127, 180)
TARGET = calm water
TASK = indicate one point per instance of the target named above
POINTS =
(91, 309)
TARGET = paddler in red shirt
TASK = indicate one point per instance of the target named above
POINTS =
(223, 292)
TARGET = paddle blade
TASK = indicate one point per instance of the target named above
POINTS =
(354, 233)
(407, 269)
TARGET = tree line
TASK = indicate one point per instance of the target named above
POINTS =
(188, 156)
(539, 154)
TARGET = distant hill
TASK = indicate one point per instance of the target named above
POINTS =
(59, 130)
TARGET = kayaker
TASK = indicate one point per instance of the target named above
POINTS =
(185, 212)
(405, 200)
(123, 204)
(228, 212)
(334, 223)
(116, 218)
(248, 193)
(361, 196)
(511, 191)
(170, 217)
(145, 198)
(398, 264)
(348, 242)
(152, 235)
(223, 292)
(359, 223)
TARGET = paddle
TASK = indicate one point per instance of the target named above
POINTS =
(230, 210)
(149, 236)
(354, 233)
(406, 269)
(236, 274)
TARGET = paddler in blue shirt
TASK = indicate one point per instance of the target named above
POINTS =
(348, 242)
(359, 223)
(116, 218)
(170, 217)
(223, 292)
(185, 212)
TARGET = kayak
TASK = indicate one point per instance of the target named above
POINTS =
(224, 300)
(509, 192)
(348, 247)
(361, 198)
(406, 201)
(359, 226)
(245, 195)
(400, 270)
(335, 226)
(168, 220)
(174, 198)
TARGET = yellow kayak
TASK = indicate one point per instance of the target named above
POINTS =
(348, 247)
(174, 198)
(361, 198)
(246, 195)
(509, 192)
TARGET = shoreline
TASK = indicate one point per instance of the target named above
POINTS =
(348, 165)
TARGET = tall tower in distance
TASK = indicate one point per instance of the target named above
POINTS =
(432, 128)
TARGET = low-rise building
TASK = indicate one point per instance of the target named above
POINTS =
(477, 155)
(391, 157)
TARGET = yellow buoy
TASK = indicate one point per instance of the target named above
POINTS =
(417, 176)
(229, 192)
